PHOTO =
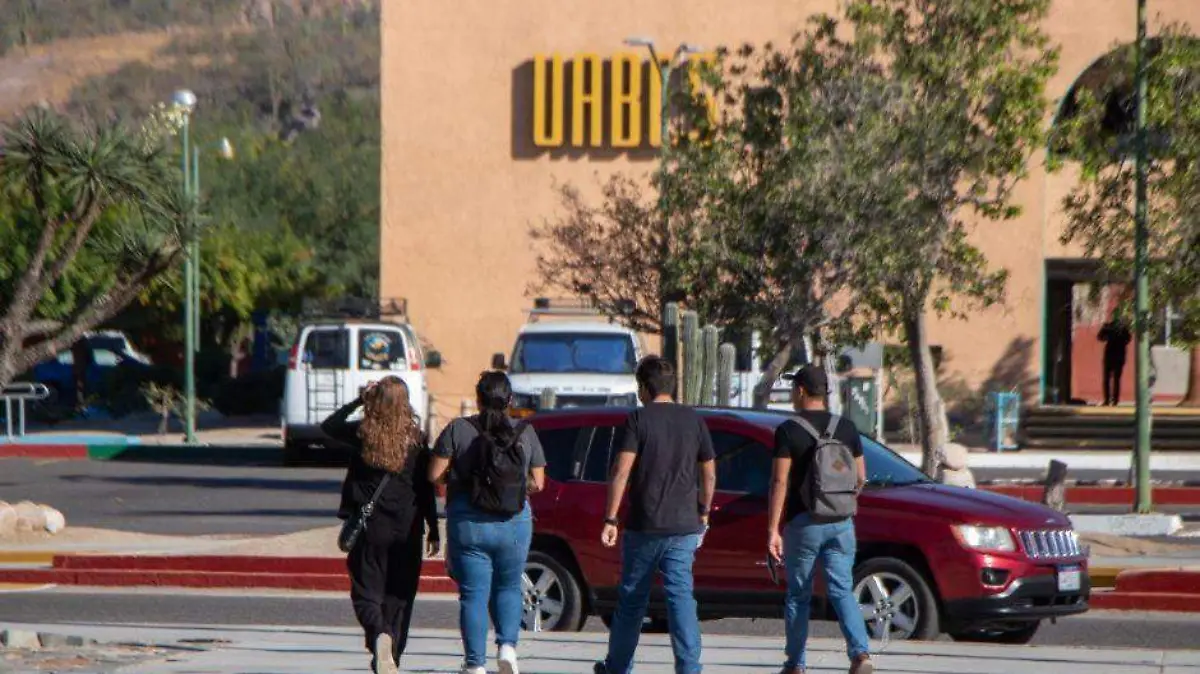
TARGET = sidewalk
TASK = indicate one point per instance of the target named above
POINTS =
(222, 650)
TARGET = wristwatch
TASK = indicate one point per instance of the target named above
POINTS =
(612, 521)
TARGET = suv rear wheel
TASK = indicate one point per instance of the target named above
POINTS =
(1021, 633)
(895, 597)
(553, 598)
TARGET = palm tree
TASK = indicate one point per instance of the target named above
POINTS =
(108, 195)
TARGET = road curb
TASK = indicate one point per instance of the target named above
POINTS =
(1172, 590)
(1102, 495)
(211, 572)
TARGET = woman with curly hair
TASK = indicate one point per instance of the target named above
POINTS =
(385, 563)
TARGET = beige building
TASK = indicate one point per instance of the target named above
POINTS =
(473, 147)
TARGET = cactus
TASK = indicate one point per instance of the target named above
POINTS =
(725, 362)
(547, 400)
(670, 339)
(692, 358)
(708, 380)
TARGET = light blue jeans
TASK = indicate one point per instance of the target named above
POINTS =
(834, 545)
(642, 556)
(487, 555)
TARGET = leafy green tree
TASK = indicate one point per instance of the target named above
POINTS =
(959, 103)
(106, 197)
(1097, 139)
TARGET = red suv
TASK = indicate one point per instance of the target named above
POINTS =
(931, 558)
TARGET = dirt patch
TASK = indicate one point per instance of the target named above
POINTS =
(83, 538)
(1107, 545)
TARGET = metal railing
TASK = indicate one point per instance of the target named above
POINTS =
(20, 392)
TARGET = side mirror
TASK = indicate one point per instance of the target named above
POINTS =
(498, 362)
(433, 360)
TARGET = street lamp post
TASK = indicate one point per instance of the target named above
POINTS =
(1140, 263)
(186, 102)
(664, 118)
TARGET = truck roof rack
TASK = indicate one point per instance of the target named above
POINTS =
(395, 308)
(565, 307)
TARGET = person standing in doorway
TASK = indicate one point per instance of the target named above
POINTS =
(817, 527)
(490, 464)
(666, 458)
(385, 563)
(1116, 337)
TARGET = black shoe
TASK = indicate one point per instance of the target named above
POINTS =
(599, 668)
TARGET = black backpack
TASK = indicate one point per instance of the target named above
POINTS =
(498, 478)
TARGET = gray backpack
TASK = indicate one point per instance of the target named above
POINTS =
(830, 490)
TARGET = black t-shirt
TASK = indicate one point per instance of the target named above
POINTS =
(791, 440)
(670, 442)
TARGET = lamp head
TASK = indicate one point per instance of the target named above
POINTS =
(185, 99)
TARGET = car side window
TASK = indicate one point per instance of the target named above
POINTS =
(559, 447)
(381, 350)
(602, 445)
(743, 464)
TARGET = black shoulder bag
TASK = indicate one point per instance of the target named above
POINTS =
(355, 525)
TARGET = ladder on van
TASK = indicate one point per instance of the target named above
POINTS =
(325, 393)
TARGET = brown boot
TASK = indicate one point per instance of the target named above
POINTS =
(862, 665)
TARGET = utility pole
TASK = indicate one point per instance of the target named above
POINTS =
(1141, 283)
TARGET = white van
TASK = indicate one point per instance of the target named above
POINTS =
(587, 359)
(330, 365)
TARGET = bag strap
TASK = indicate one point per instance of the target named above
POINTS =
(808, 427)
(378, 491)
(518, 431)
(834, 420)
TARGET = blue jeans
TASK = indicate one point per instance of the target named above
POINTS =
(805, 542)
(487, 555)
(641, 556)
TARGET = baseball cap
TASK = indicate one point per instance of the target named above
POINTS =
(810, 378)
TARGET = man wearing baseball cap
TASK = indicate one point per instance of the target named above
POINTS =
(819, 524)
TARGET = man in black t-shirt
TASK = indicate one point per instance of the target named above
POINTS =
(805, 541)
(666, 459)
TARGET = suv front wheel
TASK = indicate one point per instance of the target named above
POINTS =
(553, 598)
(895, 598)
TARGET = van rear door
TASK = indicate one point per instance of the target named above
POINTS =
(385, 350)
(325, 364)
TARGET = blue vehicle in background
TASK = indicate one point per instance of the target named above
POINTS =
(110, 352)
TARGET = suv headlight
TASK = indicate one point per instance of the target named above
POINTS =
(984, 538)
(627, 400)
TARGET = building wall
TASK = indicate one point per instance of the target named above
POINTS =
(463, 184)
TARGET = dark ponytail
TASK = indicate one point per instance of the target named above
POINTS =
(493, 393)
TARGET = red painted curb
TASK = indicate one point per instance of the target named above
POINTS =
(1169, 581)
(1110, 600)
(1097, 495)
(32, 451)
(335, 566)
(201, 579)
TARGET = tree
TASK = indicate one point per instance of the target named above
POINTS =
(106, 196)
(1098, 138)
(957, 98)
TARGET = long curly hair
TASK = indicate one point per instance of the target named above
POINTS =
(389, 428)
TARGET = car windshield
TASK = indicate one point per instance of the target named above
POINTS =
(886, 468)
(574, 352)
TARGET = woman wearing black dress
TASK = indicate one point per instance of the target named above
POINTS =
(385, 564)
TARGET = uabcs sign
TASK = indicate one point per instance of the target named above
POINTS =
(589, 101)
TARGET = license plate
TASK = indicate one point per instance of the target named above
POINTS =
(1070, 579)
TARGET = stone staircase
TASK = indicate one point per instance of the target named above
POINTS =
(1105, 428)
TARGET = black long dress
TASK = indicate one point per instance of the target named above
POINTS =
(385, 565)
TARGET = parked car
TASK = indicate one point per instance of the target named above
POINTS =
(933, 558)
(332, 362)
(111, 350)
(585, 358)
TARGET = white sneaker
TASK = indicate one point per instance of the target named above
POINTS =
(507, 659)
(384, 664)
(473, 670)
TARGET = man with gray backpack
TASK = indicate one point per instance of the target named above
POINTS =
(817, 475)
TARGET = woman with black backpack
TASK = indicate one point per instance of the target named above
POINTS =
(388, 502)
(490, 465)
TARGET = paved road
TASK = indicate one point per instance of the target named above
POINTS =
(1097, 629)
(187, 499)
